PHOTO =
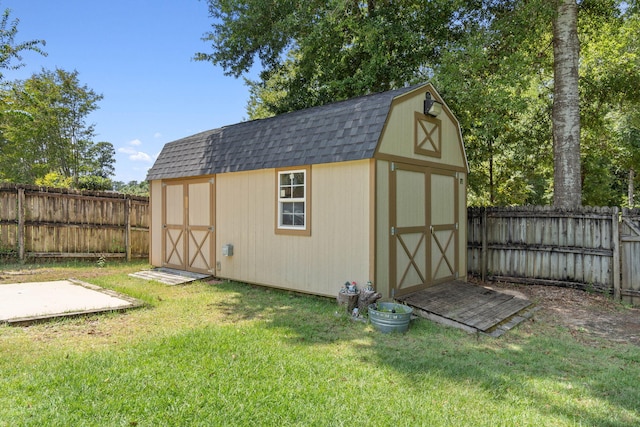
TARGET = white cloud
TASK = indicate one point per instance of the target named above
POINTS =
(135, 142)
(157, 135)
(140, 157)
(135, 155)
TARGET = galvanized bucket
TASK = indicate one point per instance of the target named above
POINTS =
(390, 316)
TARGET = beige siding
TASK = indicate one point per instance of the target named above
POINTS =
(339, 245)
(399, 134)
(434, 147)
(382, 227)
(155, 232)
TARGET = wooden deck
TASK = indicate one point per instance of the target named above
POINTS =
(470, 307)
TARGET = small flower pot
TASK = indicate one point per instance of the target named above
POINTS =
(390, 316)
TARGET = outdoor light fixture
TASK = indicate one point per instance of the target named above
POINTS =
(431, 106)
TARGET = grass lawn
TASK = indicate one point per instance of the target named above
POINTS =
(233, 354)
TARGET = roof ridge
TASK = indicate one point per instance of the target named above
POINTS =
(329, 133)
(327, 105)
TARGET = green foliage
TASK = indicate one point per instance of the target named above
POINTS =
(44, 131)
(132, 187)
(491, 60)
(93, 182)
(318, 52)
(10, 50)
(54, 179)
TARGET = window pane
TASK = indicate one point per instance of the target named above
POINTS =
(298, 192)
(285, 192)
(284, 179)
(298, 208)
(298, 216)
(298, 178)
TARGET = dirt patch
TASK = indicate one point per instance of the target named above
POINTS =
(587, 316)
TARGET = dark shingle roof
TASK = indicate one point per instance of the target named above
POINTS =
(342, 131)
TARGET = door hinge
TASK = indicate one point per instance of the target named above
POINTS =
(393, 166)
(456, 225)
(212, 228)
(393, 231)
(212, 181)
(164, 226)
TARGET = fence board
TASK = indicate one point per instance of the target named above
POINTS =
(543, 244)
(630, 256)
(68, 223)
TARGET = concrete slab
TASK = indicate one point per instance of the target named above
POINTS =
(29, 302)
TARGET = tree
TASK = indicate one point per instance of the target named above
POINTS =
(314, 52)
(100, 160)
(46, 130)
(567, 182)
(10, 50)
(498, 83)
(494, 61)
(132, 187)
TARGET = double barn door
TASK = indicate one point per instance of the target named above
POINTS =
(188, 225)
(424, 227)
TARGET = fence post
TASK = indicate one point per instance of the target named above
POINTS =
(127, 232)
(483, 230)
(615, 241)
(21, 199)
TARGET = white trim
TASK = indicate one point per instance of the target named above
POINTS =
(293, 200)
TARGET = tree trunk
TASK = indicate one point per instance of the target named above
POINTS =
(566, 109)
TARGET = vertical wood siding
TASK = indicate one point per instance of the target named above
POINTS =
(66, 223)
(337, 249)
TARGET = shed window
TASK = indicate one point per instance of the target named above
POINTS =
(293, 201)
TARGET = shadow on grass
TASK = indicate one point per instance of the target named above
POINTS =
(541, 367)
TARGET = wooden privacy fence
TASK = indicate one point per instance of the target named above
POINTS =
(54, 223)
(591, 248)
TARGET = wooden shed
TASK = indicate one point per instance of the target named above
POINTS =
(372, 188)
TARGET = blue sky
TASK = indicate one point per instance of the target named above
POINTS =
(137, 54)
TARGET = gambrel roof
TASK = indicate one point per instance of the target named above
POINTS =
(337, 132)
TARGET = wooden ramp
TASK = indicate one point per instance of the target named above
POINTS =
(169, 276)
(470, 307)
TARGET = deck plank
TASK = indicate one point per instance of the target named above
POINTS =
(470, 306)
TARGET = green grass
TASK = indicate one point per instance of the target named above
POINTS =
(233, 354)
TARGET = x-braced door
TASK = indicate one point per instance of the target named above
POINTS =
(188, 226)
(200, 227)
(423, 216)
(173, 250)
(443, 191)
(409, 218)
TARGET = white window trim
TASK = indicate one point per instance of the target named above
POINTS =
(294, 229)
